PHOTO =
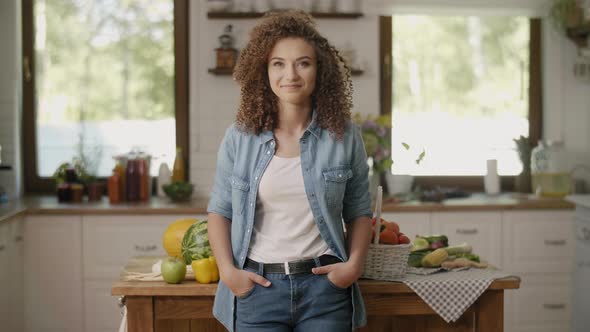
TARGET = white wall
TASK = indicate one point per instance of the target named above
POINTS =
(566, 105)
(214, 99)
(9, 95)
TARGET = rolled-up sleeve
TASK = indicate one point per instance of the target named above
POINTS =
(357, 199)
(220, 200)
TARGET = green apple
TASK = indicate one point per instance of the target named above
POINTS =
(173, 270)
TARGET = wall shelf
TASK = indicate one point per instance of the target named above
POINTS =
(240, 15)
(579, 35)
(228, 72)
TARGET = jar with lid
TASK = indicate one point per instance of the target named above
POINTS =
(549, 169)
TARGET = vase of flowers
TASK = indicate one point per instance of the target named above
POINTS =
(376, 131)
(376, 136)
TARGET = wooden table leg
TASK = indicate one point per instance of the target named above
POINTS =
(140, 313)
(490, 311)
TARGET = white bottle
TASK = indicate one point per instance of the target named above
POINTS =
(164, 177)
(491, 180)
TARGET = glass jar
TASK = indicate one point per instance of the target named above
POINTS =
(549, 169)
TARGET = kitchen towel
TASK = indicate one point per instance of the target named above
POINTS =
(450, 293)
(155, 274)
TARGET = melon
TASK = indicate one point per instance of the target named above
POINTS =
(172, 238)
(195, 244)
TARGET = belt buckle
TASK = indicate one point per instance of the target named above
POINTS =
(287, 270)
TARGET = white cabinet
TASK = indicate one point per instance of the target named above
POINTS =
(543, 303)
(538, 246)
(11, 272)
(53, 274)
(539, 241)
(482, 230)
(109, 242)
(16, 252)
(410, 223)
(4, 274)
(101, 311)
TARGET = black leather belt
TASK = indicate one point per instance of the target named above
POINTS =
(293, 267)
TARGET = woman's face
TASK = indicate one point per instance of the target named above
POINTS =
(292, 69)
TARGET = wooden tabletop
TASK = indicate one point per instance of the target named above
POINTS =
(193, 288)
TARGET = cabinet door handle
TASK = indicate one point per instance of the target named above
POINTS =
(467, 231)
(555, 242)
(146, 248)
(554, 306)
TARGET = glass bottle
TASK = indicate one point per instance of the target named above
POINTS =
(549, 169)
(121, 164)
(143, 176)
(164, 177)
(114, 187)
(178, 168)
(132, 181)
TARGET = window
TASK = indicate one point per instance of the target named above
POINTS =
(461, 89)
(102, 78)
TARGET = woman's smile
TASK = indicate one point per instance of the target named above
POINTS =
(292, 70)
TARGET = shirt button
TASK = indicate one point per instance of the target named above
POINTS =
(267, 152)
(251, 204)
(272, 143)
(312, 195)
(339, 175)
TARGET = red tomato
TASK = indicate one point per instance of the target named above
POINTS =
(403, 239)
(388, 237)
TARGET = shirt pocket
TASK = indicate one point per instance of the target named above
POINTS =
(239, 194)
(335, 179)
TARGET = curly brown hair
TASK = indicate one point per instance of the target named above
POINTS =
(332, 96)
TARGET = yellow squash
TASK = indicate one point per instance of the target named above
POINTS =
(206, 270)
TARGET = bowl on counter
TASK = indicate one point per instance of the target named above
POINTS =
(179, 191)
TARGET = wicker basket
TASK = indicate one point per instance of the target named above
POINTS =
(386, 261)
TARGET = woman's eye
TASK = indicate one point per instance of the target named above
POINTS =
(277, 64)
(304, 64)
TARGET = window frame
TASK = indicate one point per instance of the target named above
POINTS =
(469, 183)
(33, 183)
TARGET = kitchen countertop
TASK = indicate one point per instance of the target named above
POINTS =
(48, 205)
(581, 200)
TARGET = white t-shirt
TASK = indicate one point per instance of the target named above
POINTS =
(284, 226)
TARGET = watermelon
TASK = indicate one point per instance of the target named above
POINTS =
(195, 243)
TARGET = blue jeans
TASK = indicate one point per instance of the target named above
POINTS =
(296, 302)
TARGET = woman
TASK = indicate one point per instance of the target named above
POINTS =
(289, 172)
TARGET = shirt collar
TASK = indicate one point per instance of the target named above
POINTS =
(313, 128)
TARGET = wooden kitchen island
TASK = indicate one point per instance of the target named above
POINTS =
(154, 306)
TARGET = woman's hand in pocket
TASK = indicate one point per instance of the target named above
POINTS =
(340, 274)
(241, 282)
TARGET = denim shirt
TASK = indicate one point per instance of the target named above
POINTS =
(335, 176)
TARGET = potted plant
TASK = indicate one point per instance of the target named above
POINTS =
(565, 14)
